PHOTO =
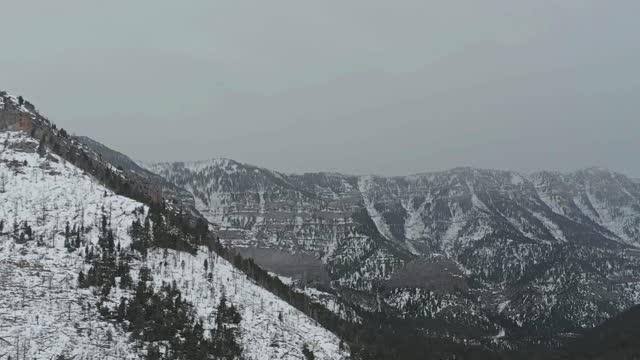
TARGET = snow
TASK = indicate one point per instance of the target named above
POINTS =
(548, 200)
(553, 228)
(501, 334)
(617, 212)
(503, 305)
(614, 220)
(446, 212)
(516, 179)
(477, 203)
(414, 227)
(42, 307)
(260, 309)
(40, 303)
(365, 185)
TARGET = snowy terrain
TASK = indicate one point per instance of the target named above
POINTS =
(44, 314)
(264, 336)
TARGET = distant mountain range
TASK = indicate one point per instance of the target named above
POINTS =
(497, 256)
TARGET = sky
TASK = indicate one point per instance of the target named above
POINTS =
(353, 86)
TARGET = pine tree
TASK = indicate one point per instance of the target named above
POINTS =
(153, 353)
(225, 337)
(42, 151)
(308, 354)
(82, 282)
(121, 312)
(27, 231)
(78, 240)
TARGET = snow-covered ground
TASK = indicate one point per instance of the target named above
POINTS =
(264, 336)
(44, 314)
(365, 185)
(330, 301)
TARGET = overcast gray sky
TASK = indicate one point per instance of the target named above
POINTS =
(357, 86)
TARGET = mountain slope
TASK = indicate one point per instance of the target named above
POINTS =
(44, 312)
(132, 169)
(617, 338)
(56, 221)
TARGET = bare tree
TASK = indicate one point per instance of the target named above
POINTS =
(43, 212)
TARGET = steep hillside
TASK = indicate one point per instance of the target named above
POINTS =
(533, 256)
(132, 169)
(617, 338)
(44, 314)
(76, 259)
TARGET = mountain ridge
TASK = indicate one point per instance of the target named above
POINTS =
(212, 160)
(502, 230)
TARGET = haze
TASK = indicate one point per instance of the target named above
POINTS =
(386, 87)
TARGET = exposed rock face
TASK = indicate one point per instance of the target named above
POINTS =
(539, 254)
(13, 115)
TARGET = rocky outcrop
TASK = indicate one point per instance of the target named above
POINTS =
(13, 114)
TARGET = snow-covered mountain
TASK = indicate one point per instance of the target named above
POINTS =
(508, 255)
(58, 215)
(485, 257)
(44, 314)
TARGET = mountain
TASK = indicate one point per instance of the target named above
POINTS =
(94, 263)
(100, 257)
(616, 338)
(491, 256)
(133, 170)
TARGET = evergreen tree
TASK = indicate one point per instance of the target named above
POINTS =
(308, 354)
(225, 337)
(82, 282)
(121, 311)
(67, 232)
